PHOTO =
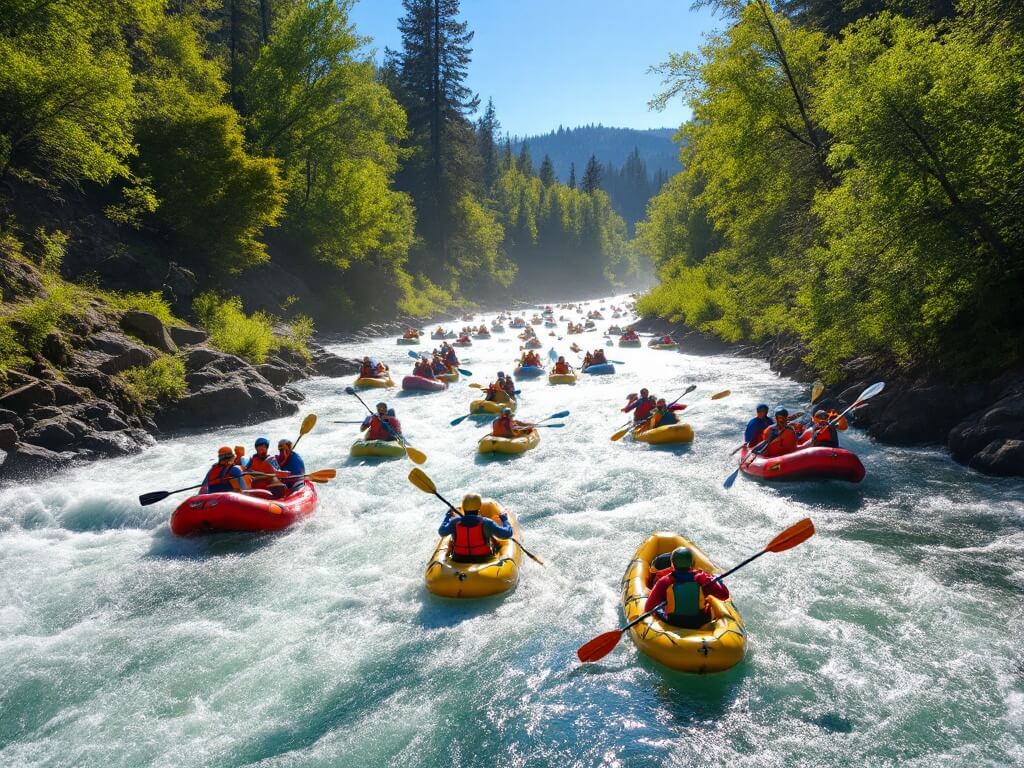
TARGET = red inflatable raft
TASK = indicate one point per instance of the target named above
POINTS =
(806, 464)
(254, 511)
(423, 384)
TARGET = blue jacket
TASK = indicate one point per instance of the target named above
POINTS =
(756, 427)
(294, 466)
(490, 527)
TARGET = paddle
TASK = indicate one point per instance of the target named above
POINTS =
(603, 644)
(559, 415)
(320, 476)
(630, 424)
(867, 394)
(716, 396)
(816, 389)
(474, 385)
(307, 424)
(421, 480)
(417, 356)
(415, 456)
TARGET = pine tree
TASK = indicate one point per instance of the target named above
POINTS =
(487, 131)
(506, 156)
(592, 176)
(547, 172)
(524, 162)
(572, 176)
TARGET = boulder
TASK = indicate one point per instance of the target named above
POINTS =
(328, 364)
(54, 434)
(45, 412)
(110, 343)
(988, 439)
(185, 336)
(912, 415)
(65, 394)
(181, 285)
(149, 328)
(274, 374)
(27, 396)
(136, 357)
(111, 443)
(8, 437)
(56, 349)
(200, 356)
(1000, 457)
(25, 460)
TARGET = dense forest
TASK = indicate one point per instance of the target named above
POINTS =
(255, 145)
(853, 177)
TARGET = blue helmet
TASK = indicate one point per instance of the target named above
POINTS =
(762, 407)
(781, 412)
(262, 441)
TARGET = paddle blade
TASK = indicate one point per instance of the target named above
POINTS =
(559, 415)
(620, 434)
(152, 498)
(413, 355)
(871, 391)
(456, 422)
(549, 426)
(350, 390)
(415, 456)
(475, 385)
(307, 424)
(323, 475)
(421, 480)
(789, 538)
(599, 647)
(720, 395)
(465, 372)
(816, 391)
(731, 479)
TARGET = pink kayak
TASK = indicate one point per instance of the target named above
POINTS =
(806, 464)
(422, 384)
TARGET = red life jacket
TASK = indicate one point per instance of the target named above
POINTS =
(470, 541)
(378, 431)
(643, 411)
(502, 427)
(779, 442)
(257, 464)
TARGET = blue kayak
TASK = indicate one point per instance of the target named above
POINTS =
(600, 368)
(528, 372)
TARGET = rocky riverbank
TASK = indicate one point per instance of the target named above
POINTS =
(71, 405)
(980, 423)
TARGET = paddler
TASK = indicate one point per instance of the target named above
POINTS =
(822, 434)
(225, 475)
(782, 437)
(382, 425)
(684, 590)
(262, 461)
(561, 366)
(506, 426)
(641, 406)
(472, 534)
(423, 369)
(371, 369)
(439, 366)
(291, 464)
(757, 425)
(664, 414)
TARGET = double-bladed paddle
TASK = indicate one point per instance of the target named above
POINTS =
(603, 644)
(630, 424)
(422, 480)
(415, 456)
(320, 476)
(559, 415)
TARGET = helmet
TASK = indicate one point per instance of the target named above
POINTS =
(381, 405)
(262, 441)
(644, 392)
(762, 407)
(225, 452)
(781, 412)
(506, 411)
(820, 414)
(501, 374)
(284, 441)
(471, 502)
(682, 557)
(661, 401)
(366, 358)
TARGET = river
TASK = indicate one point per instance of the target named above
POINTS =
(892, 637)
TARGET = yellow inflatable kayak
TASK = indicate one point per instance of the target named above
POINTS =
(561, 378)
(368, 382)
(667, 435)
(388, 448)
(451, 376)
(490, 406)
(521, 444)
(500, 574)
(715, 647)
(673, 345)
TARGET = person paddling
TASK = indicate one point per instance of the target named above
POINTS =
(684, 590)
(371, 369)
(262, 461)
(225, 475)
(561, 366)
(782, 437)
(757, 425)
(641, 406)
(382, 425)
(506, 426)
(472, 534)
(291, 464)
(664, 414)
(822, 434)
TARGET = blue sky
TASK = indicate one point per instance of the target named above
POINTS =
(568, 62)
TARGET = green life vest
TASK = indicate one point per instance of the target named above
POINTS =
(684, 599)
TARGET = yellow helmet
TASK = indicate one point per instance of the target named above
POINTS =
(471, 502)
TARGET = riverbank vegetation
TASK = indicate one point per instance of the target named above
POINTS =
(852, 176)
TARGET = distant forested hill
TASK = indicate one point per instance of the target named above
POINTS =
(611, 145)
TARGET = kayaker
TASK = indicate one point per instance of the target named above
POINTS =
(472, 535)
(371, 369)
(225, 475)
(641, 406)
(424, 369)
(822, 434)
(664, 414)
(684, 590)
(262, 461)
(757, 425)
(439, 366)
(588, 360)
(411, 333)
(290, 463)
(382, 425)
(561, 366)
(506, 426)
(782, 437)
(509, 388)
(449, 356)
(599, 358)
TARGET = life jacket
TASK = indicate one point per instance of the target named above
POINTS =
(378, 430)
(470, 540)
(665, 417)
(220, 475)
(826, 437)
(367, 371)
(258, 464)
(779, 442)
(599, 358)
(439, 366)
(502, 427)
(684, 599)
(643, 411)
(561, 368)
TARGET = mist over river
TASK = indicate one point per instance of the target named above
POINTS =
(892, 637)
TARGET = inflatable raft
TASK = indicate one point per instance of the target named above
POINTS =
(528, 371)
(489, 406)
(521, 444)
(404, 340)
(248, 512)
(599, 369)
(373, 382)
(667, 435)
(447, 578)
(806, 464)
(562, 378)
(630, 342)
(714, 647)
(385, 448)
(415, 383)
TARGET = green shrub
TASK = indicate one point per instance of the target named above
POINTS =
(153, 303)
(421, 297)
(299, 335)
(52, 248)
(39, 317)
(163, 379)
(12, 354)
(234, 332)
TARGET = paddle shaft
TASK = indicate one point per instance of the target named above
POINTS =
(644, 615)
(383, 422)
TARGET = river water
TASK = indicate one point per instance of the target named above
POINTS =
(892, 637)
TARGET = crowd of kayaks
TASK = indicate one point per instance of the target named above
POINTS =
(718, 645)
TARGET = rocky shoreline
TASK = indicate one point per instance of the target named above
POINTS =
(980, 423)
(70, 406)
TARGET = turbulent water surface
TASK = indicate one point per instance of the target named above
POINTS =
(892, 637)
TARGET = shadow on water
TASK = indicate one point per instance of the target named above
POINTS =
(694, 699)
(166, 545)
(444, 612)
